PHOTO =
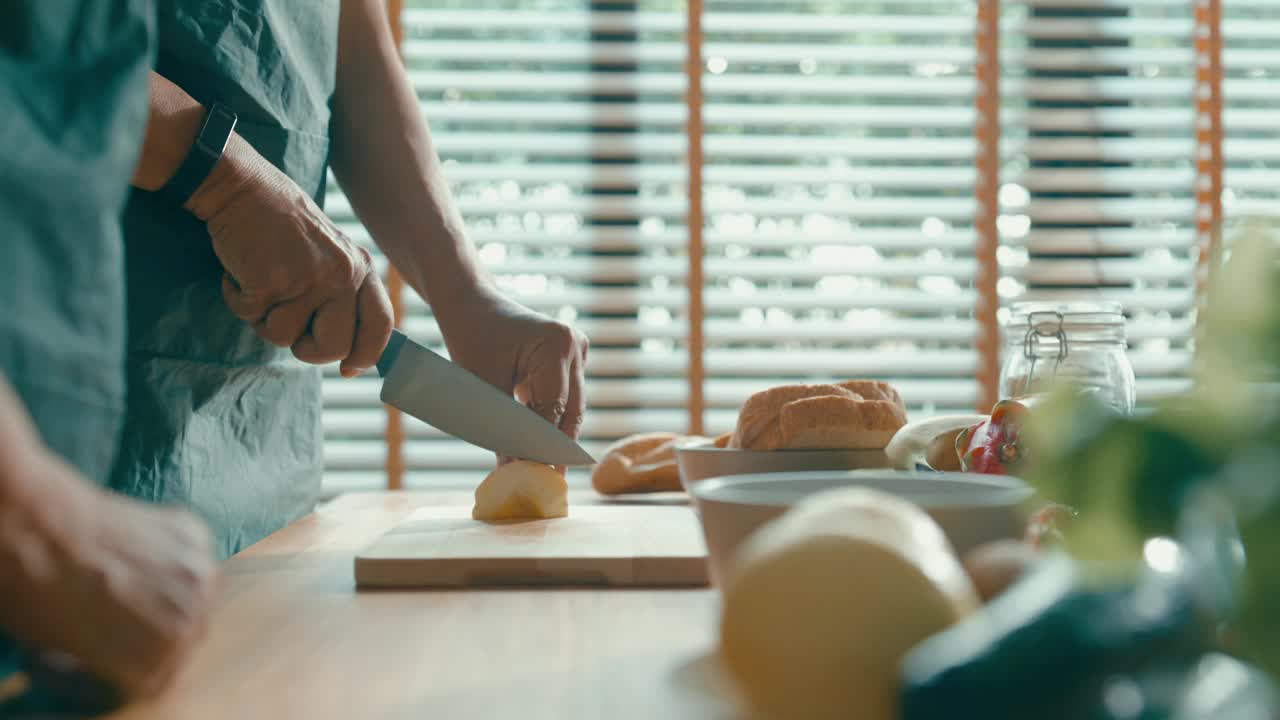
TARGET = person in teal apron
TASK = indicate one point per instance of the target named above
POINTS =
(73, 93)
(238, 284)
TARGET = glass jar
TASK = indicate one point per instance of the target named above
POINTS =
(1079, 343)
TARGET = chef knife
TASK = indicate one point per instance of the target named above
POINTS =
(448, 398)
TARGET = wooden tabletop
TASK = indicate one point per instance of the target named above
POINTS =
(291, 638)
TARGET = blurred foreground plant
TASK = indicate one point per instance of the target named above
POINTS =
(1202, 468)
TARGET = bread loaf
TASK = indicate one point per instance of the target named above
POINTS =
(854, 415)
(640, 464)
(875, 390)
(824, 423)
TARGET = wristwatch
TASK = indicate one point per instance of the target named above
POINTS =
(204, 154)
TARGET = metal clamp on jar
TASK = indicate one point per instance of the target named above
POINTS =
(1080, 344)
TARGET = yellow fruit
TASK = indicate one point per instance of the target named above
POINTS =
(821, 605)
(522, 490)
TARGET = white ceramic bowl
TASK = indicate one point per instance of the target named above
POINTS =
(700, 461)
(971, 509)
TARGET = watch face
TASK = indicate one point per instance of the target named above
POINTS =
(218, 126)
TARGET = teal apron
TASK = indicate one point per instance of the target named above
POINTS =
(216, 418)
(73, 88)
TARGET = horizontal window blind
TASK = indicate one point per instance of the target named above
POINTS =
(561, 127)
(839, 198)
(1098, 193)
(838, 188)
(1251, 115)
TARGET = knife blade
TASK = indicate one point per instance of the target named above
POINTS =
(451, 399)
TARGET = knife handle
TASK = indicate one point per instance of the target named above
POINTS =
(392, 351)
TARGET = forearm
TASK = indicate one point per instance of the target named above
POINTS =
(31, 502)
(172, 125)
(390, 171)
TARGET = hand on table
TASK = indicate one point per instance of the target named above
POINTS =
(99, 584)
(540, 360)
(290, 272)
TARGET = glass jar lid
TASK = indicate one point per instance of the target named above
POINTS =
(1075, 315)
(1077, 322)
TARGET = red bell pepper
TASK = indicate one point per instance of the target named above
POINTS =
(994, 446)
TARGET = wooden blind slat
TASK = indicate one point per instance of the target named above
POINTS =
(694, 132)
(1208, 103)
(395, 288)
(986, 194)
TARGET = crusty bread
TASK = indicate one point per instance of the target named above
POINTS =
(854, 415)
(640, 464)
(829, 422)
(875, 390)
(758, 420)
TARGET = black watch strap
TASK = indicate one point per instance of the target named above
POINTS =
(204, 154)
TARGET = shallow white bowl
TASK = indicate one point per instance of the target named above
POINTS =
(701, 461)
(971, 509)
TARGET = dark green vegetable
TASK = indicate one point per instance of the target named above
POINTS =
(1048, 646)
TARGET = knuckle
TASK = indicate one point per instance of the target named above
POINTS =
(305, 354)
(245, 304)
(272, 335)
(364, 258)
(374, 281)
(383, 321)
(563, 338)
(343, 271)
(554, 408)
(377, 315)
(248, 311)
(315, 354)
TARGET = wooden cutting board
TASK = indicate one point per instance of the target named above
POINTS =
(608, 545)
